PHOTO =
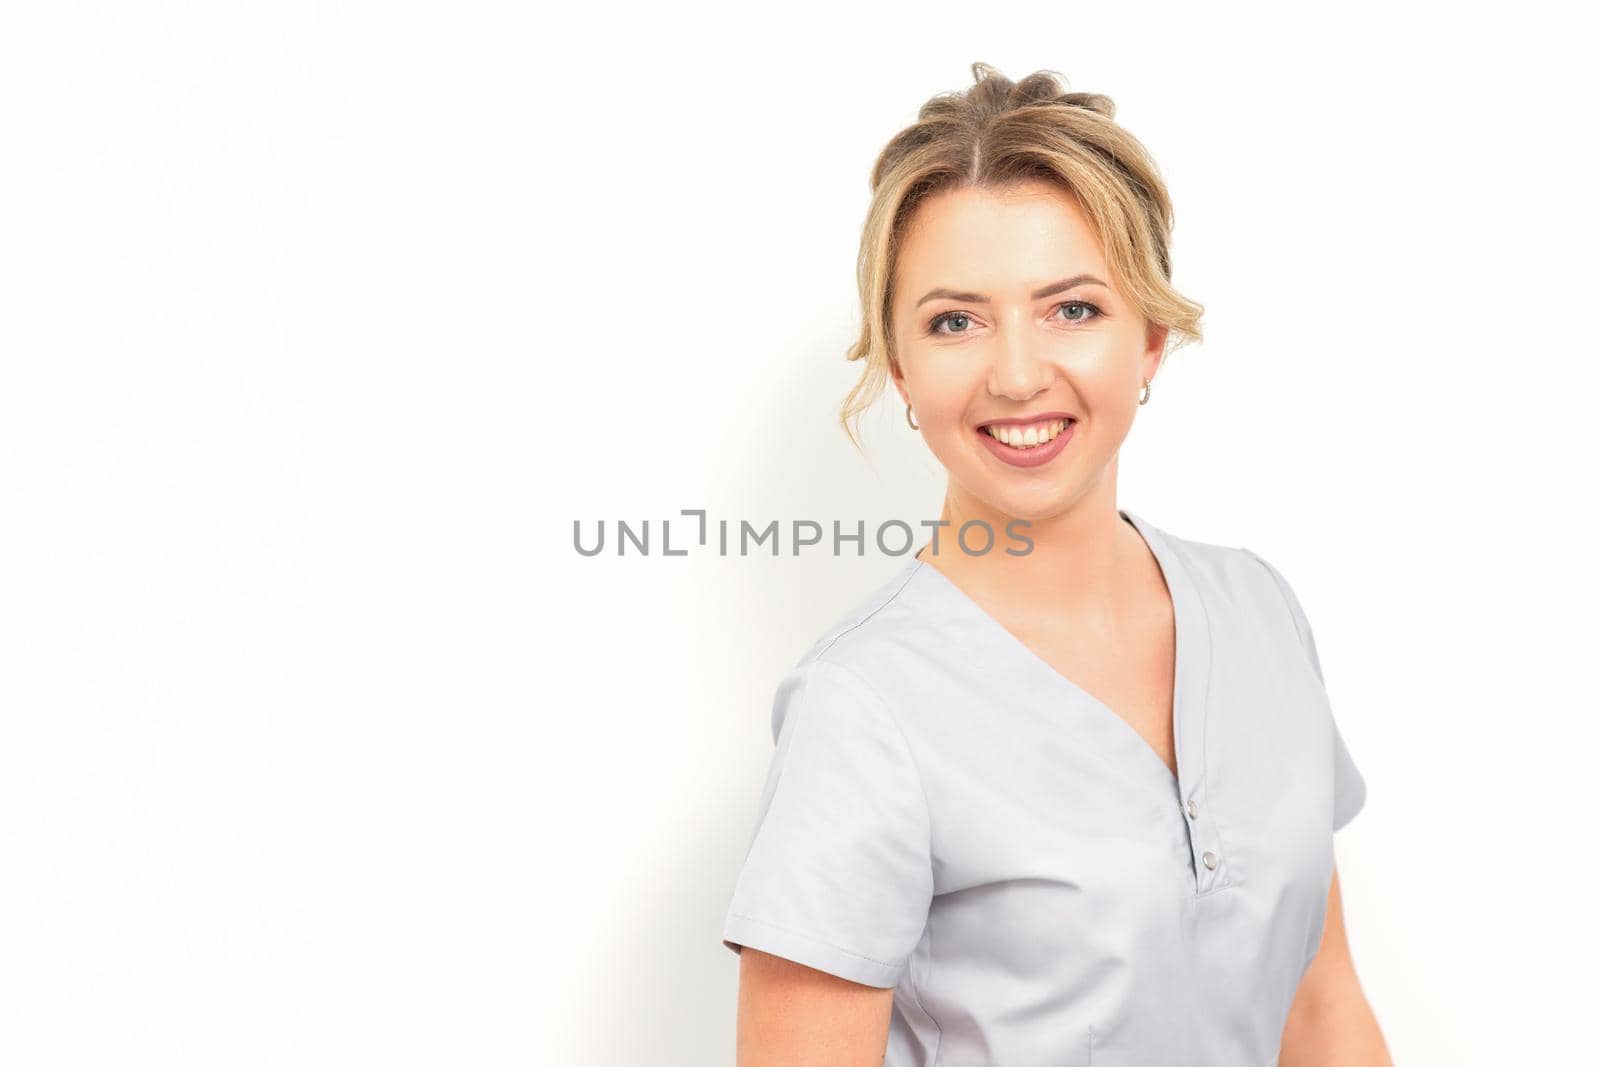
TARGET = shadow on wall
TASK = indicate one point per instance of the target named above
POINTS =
(664, 958)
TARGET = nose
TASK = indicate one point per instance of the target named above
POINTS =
(1018, 372)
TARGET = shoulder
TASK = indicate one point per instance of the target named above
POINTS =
(1283, 595)
(1244, 594)
(899, 612)
(1242, 582)
(865, 656)
(1232, 575)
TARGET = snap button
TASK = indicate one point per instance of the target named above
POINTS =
(1191, 809)
(1210, 860)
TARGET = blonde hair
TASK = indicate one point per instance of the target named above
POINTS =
(996, 134)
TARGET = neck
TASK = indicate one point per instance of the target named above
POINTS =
(1080, 557)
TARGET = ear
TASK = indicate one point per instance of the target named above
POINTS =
(899, 378)
(1155, 339)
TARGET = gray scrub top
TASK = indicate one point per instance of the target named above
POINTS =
(948, 815)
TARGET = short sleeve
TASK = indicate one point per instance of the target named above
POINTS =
(1349, 787)
(838, 875)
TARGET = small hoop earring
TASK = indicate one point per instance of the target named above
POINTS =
(909, 421)
(1145, 399)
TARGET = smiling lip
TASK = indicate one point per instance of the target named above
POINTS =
(1027, 457)
(1023, 420)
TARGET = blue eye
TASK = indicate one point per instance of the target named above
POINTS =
(1080, 304)
(961, 316)
(951, 316)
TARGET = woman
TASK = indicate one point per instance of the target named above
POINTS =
(1069, 800)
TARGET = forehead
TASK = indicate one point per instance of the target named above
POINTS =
(989, 239)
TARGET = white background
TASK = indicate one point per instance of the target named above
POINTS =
(322, 323)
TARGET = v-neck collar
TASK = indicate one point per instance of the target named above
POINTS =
(1109, 731)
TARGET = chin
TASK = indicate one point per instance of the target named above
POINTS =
(1034, 503)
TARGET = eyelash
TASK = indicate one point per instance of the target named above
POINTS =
(933, 324)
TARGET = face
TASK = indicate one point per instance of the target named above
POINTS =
(1004, 318)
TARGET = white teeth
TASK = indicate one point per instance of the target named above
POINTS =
(1029, 437)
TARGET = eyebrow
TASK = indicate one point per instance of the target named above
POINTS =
(1038, 294)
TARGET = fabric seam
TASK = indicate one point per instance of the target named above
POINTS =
(910, 573)
(911, 755)
(1289, 603)
(896, 967)
(1195, 590)
(927, 808)
(1294, 616)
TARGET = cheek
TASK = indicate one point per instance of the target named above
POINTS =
(1106, 390)
(1105, 380)
(944, 410)
(943, 391)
